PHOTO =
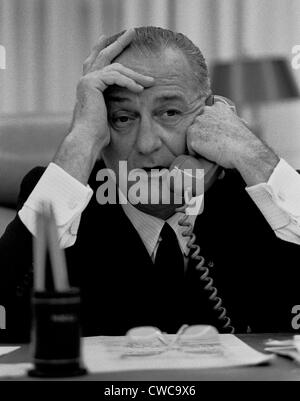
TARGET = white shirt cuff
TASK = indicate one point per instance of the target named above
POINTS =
(67, 195)
(279, 198)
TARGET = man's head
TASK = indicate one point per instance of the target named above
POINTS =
(154, 40)
(148, 129)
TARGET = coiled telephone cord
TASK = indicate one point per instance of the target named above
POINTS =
(203, 270)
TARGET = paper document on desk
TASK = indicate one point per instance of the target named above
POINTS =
(12, 370)
(108, 354)
(6, 350)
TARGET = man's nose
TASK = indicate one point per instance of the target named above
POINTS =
(148, 137)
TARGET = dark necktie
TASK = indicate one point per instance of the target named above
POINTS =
(169, 270)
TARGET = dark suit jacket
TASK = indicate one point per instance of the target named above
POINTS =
(257, 275)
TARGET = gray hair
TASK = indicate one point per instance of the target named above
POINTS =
(153, 39)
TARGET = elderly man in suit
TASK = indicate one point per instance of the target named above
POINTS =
(142, 100)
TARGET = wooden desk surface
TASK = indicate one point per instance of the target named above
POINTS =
(280, 369)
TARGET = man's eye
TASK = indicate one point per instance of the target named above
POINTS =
(168, 114)
(121, 120)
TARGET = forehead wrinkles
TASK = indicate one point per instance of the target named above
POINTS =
(165, 88)
(176, 79)
(152, 97)
(161, 93)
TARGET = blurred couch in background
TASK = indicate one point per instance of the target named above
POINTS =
(26, 140)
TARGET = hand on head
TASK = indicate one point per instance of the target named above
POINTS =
(99, 72)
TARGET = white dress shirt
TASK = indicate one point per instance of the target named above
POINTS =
(278, 200)
(149, 228)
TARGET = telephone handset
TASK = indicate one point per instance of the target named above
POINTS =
(186, 164)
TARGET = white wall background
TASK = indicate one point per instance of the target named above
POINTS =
(47, 41)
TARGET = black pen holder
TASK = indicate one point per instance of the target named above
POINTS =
(57, 334)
